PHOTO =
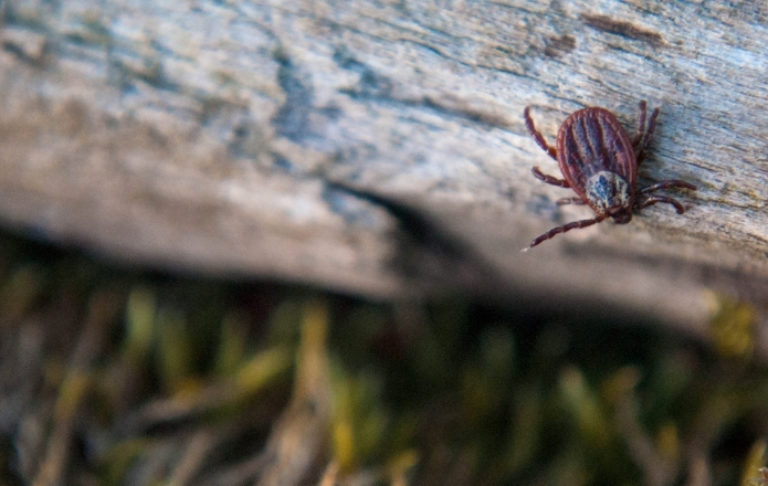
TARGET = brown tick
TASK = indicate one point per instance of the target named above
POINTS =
(599, 162)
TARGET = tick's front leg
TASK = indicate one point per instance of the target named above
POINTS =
(562, 229)
(666, 184)
(662, 199)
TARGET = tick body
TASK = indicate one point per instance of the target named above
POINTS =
(599, 163)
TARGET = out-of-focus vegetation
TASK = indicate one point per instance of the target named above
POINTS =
(111, 376)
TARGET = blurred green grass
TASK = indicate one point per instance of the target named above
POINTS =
(117, 376)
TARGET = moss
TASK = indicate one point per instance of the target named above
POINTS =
(114, 375)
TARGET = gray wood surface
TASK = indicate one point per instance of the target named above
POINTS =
(379, 147)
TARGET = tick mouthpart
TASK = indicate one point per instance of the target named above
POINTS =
(621, 217)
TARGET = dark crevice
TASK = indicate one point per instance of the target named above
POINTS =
(425, 250)
(557, 46)
(24, 56)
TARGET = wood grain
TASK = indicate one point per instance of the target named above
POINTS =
(379, 147)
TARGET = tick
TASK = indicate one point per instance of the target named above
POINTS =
(599, 162)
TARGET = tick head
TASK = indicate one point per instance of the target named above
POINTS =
(608, 194)
(622, 217)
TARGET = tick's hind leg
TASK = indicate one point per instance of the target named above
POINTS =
(562, 229)
(644, 133)
(549, 179)
(552, 151)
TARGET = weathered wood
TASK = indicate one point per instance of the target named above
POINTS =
(379, 147)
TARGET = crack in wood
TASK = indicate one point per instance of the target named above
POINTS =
(605, 23)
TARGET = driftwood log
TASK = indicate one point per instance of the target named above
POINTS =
(379, 147)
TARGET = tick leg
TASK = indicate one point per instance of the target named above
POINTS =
(549, 179)
(665, 184)
(566, 227)
(570, 200)
(644, 133)
(662, 199)
(552, 151)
